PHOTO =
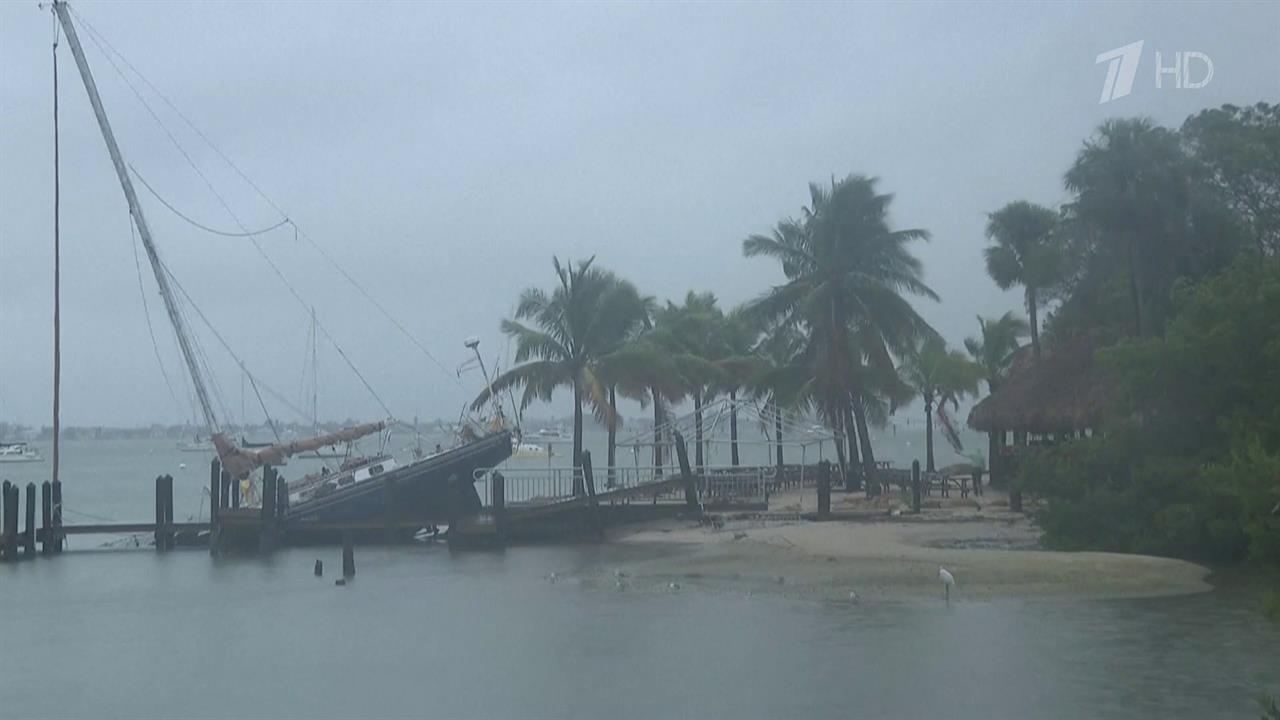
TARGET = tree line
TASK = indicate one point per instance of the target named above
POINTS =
(1165, 254)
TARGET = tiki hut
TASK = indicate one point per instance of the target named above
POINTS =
(1063, 394)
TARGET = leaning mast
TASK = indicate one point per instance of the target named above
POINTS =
(139, 219)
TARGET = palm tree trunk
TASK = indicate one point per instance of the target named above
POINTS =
(697, 429)
(733, 427)
(1135, 286)
(579, 487)
(853, 478)
(928, 433)
(1033, 315)
(657, 431)
(613, 434)
(868, 455)
(777, 433)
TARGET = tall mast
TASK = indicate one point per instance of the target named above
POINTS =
(57, 270)
(315, 376)
(135, 209)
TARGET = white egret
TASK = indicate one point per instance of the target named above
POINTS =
(673, 585)
(853, 597)
(553, 578)
(948, 580)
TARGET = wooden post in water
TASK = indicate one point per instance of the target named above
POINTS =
(235, 493)
(215, 492)
(690, 482)
(29, 537)
(498, 490)
(390, 497)
(7, 527)
(266, 538)
(159, 533)
(915, 486)
(455, 514)
(168, 512)
(349, 555)
(57, 515)
(824, 490)
(593, 507)
(46, 518)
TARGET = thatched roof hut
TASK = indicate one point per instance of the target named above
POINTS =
(1066, 390)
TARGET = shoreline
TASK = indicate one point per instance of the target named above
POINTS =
(992, 553)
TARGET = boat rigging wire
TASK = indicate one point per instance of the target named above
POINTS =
(146, 312)
(101, 42)
(253, 380)
(104, 45)
(196, 223)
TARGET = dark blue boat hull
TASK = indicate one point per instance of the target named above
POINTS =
(418, 492)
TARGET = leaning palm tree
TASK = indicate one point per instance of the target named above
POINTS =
(939, 377)
(1025, 253)
(993, 352)
(585, 316)
(846, 275)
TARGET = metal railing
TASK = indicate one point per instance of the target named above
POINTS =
(545, 486)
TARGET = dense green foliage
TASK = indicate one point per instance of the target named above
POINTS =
(1192, 466)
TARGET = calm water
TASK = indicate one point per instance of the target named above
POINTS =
(421, 632)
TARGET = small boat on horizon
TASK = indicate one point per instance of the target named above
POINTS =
(19, 452)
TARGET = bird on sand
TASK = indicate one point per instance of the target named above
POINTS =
(948, 580)
(552, 578)
(853, 597)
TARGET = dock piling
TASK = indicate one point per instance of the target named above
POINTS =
(57, 516)
(349, 555)
(215, 491)
(266, 540)
(159, 534)
(29, 537)
(46, 518)
(10, 520)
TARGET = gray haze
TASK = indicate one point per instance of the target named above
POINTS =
(443, 153)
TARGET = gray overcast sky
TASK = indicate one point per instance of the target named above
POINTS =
(442, 153)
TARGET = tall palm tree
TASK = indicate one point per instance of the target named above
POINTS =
(693, 335)
(993, 352)
(846, 276)
(1025, 253)
(585, 317)
(1132, 190)
(939, 376)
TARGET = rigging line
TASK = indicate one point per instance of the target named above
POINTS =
(227, 347)
(93, 35)
(102, 41)
(146, 312)
(202, 226)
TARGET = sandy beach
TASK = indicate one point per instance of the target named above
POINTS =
(992, 553)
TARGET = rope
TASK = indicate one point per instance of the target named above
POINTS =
(202, 226)
(101, 42)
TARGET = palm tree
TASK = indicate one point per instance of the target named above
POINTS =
(1025, 253)
(938, 376)
(846, 275)
(993, 352)
(780, 376)
(738, 365)
(1132, 190)
(587, 316)
(693, 335)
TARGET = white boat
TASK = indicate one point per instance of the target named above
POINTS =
(18, 453)
(196, 445)
(529, 450)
